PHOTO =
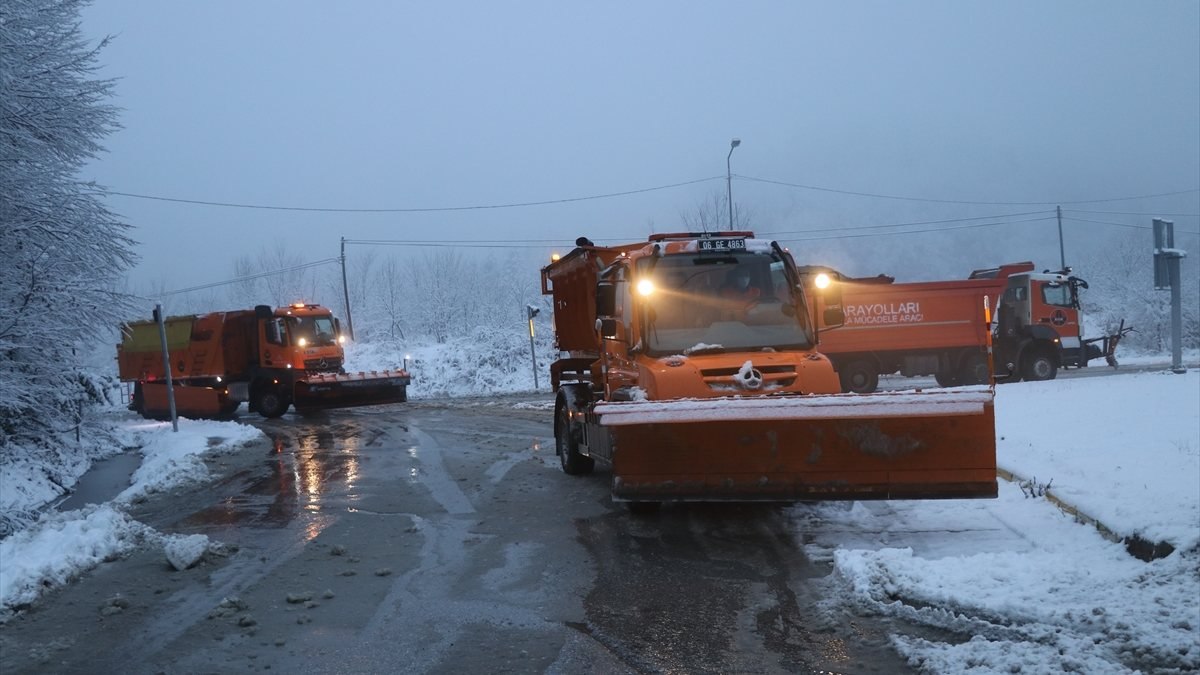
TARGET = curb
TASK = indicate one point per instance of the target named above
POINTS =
(1135, 545)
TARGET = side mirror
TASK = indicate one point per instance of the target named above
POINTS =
(609, 329)
(337, 327)
(834, 317)
(263, 311)
(606, 299)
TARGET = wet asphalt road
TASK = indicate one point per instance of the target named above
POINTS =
(442, 537)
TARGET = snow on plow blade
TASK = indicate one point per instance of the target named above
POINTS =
(321, 391)
(910, 445)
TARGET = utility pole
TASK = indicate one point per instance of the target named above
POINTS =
(346, 291)
(531, 312)
(729, 180)
(162, 336)
(1166, 275)
(1062, 256)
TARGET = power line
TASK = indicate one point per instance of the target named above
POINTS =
(1136, 213)
(916, 222)
(476, 207)
(937, 229)
(539, 243)
(1126, 225)
(251, 277)
(956, 201)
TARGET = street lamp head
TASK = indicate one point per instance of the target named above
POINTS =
(734, 143)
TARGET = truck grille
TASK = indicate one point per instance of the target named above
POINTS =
(774, 377)
(327, 365)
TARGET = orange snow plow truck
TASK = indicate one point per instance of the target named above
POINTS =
(690, 365)
(271, 359)
(937, 328)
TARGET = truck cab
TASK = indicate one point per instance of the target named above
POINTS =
(303, 337)
(1042, 308)
(682, 317)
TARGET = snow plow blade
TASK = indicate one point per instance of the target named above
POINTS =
(909, 445)
(321, 392)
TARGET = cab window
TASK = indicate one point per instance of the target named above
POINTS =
(276, 332)
(1058, 295)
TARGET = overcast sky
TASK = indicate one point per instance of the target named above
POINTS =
(403, 105)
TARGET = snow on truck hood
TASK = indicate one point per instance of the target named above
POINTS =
(961, 401)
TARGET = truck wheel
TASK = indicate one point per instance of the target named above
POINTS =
(1038, 366)
(946, 379)
(270, 403)
(975, 370)
(566, 445)
(859, 377)
(138, 402)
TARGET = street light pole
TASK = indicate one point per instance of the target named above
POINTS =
(729, 179)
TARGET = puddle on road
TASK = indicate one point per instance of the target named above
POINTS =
(106, 479)
(300, 475)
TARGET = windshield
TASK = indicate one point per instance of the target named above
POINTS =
(704, 302)
(1058, 295)
(316, 331)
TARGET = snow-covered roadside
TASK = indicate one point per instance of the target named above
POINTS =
(172, 459)
(1125, 450)
(60, 546)
(470, 365)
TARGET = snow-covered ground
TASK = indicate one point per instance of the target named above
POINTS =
(1123, 449)
(60, 546)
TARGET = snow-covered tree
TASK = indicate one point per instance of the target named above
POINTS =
(64, 252)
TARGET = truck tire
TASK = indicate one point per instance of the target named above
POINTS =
(566, 445)
(945, 379)
(1038, 365)
(859, 377)
(138, 402)
(974, 370)
(270, 402)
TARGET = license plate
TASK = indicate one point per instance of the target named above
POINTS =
(722, 245)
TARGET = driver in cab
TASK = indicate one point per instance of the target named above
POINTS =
(737, 295)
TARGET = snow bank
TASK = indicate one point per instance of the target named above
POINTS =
(58, 548)
(1124, 449)
(172, 459)
(480, 364)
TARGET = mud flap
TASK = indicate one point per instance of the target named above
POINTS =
(325, 391)
(911, 445)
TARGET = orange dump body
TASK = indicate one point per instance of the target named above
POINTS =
(689, 401)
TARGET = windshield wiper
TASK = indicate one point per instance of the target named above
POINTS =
(704, 349)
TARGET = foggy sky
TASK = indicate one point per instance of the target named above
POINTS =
(395, 105)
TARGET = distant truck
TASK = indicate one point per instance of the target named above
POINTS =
(938, 327)
(271, 359)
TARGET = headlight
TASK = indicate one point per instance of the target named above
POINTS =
(822, 280)
(341, 339)
(302, 342)
(645, 287)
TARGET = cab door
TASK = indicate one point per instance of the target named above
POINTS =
(273, 349)
(615, 309)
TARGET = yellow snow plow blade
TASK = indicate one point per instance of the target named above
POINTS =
(904, 445)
